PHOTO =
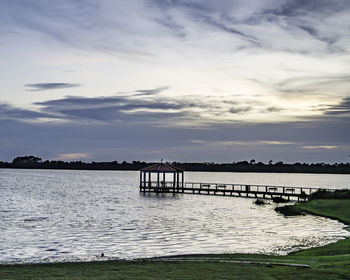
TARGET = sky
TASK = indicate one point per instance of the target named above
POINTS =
(179, 80)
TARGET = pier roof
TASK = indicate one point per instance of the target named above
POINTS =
(162, 167)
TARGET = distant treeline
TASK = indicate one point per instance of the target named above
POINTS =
(32, 162)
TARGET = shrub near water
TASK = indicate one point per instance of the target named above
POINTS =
(289, 210)
(259, 201)
(324, 194)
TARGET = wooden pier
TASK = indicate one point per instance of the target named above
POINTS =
(238, 190)
(153, 179)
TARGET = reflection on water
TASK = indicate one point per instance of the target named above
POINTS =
(76, 215)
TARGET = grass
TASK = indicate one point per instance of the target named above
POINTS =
(171, 270)
(338, 209)
(328, 262)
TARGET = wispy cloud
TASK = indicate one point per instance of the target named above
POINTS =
(117, 108)
(50, 86)
(252, 24)
(320, 85)
(151, 91)
(242, 143)
(322, 147)
(73, 156)
(269, 142)
(149, 105)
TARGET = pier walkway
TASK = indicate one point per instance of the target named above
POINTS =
(240, 190)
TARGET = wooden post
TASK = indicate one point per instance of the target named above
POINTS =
(177, 181)
(182, 179)
(141, 180)
(157, 179)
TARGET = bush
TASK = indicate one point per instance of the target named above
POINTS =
(289, 210)
(325, 194)
(259, 201)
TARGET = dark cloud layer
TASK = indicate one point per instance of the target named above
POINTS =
(10, 112)
(116, 108)
(221, 142)
(292, 8)
(341, 109)
(130, 130)
(49, 86)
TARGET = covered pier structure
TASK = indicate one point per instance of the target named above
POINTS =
(162, 178)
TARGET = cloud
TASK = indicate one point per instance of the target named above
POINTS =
(106, 25)
(274, 109)
(318, 88)
(221, 142)
(151, 91)
(10, 112)
(146, 105)
(276, 142)
(322, 147)
(242, 143)
(235, 110)
(293, 8)
(343, 108)
(253, 42)
(270, 25)
(315, 85)
(114, 108)
(50, 86)
(151, 106)
(206, 52)
(73, 156)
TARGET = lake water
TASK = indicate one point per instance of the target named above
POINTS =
(67, 215)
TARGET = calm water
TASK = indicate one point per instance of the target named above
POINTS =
(58, 215)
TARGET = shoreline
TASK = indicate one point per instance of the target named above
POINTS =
(287, 169)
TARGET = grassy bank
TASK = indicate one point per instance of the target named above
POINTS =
(328, 262)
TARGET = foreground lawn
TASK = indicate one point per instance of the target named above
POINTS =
(176, 270)
(328, 262)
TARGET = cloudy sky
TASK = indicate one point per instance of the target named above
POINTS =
(182, 80)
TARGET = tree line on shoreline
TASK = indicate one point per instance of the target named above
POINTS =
(32, 162)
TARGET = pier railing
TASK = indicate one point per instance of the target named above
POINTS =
(245, 190)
